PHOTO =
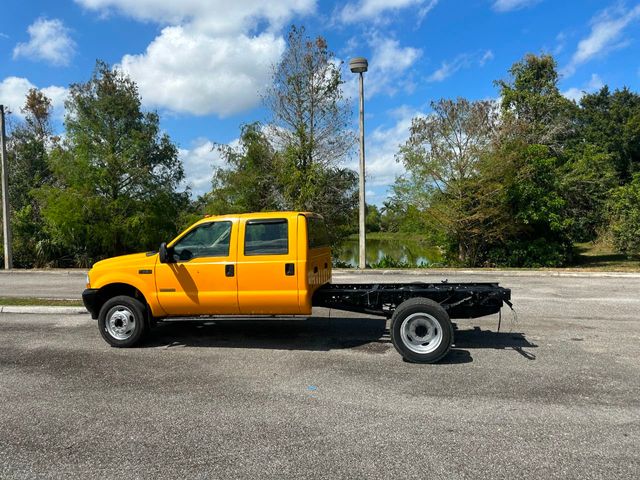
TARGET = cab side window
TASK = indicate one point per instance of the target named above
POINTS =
(207, 240)
(317, 235)
(266, 237)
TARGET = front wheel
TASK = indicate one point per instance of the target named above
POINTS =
(421, 331)
(122, 321)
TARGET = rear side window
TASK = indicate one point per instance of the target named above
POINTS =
(317, 233)
(266, 237)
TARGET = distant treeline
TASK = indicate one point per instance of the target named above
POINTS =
(519, 181)
(515, 182)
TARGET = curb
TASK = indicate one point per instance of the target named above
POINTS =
(495, 273)
(80, 272)
(41, 309)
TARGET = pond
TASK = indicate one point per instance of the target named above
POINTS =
(415, 253)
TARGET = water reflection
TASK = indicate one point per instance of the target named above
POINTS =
(413, 252)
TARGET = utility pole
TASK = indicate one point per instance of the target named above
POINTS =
(360, 65)
(6, 224)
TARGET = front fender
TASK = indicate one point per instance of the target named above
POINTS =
(144, 283)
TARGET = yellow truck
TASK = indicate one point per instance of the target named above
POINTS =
(265, 264)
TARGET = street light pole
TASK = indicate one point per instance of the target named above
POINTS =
(6, 224)
(360, 65)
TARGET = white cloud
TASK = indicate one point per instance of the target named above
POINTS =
(561, 40)
(575, 94)
(212, 56)
(448, 68)
(13, 91)
(606, 30)
(49, 40)
(389, 56)
(510, 5)
(199, 163)
(388, 68)
(214, 16)
(486, 57)
(381, 147)
(374, 9)
(222, 75)
(464, 60)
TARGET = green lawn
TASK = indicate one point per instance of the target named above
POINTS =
(47, 302)
(602, 257)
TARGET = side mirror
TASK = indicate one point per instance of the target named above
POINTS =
(163, 253)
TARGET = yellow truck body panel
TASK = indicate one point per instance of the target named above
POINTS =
(267, 263)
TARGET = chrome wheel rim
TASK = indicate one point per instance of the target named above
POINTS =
(421, 333)
(121, 322)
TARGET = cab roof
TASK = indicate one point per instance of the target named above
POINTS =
(257, 216)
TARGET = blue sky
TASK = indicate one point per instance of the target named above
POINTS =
(203, 63)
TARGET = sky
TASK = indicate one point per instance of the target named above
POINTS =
(202, 64)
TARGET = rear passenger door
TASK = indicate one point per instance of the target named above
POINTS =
(267, 267)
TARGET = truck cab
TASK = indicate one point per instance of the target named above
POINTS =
(250, 264)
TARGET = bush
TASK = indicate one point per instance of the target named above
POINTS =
(535, 253)
(624, 208)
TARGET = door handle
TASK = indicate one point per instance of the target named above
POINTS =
(229, 271)
(289, 269)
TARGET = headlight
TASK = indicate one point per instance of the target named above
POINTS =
(88, 282)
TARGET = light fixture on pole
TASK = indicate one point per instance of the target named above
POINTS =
(360, 65)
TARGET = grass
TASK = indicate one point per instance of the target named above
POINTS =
(600, 256)
(39, 302)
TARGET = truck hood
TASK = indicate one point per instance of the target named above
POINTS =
(132, 260)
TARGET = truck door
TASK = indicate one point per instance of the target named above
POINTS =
(267, 266)
(202, 280)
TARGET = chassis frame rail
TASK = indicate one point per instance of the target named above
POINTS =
(460, 300)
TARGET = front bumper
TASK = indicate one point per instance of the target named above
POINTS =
(91, 301)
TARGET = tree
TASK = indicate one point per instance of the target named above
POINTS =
(309, 116)
(28, 158)
(250, 180)
(533, 108)
(587, 177)
(537, 123)
(611, 121)
(624, 208)
(373, 218)
(309, 130)
(116, 175)
(294, 163)
(28, 149)
(442, 157)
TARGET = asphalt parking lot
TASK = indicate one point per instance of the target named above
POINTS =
(552, 395)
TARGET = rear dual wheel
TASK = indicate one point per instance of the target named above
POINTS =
(421, 331)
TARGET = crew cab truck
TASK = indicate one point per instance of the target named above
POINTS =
(266, 264)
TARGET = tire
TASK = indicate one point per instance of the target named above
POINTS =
(421, 331)
(122, 321)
